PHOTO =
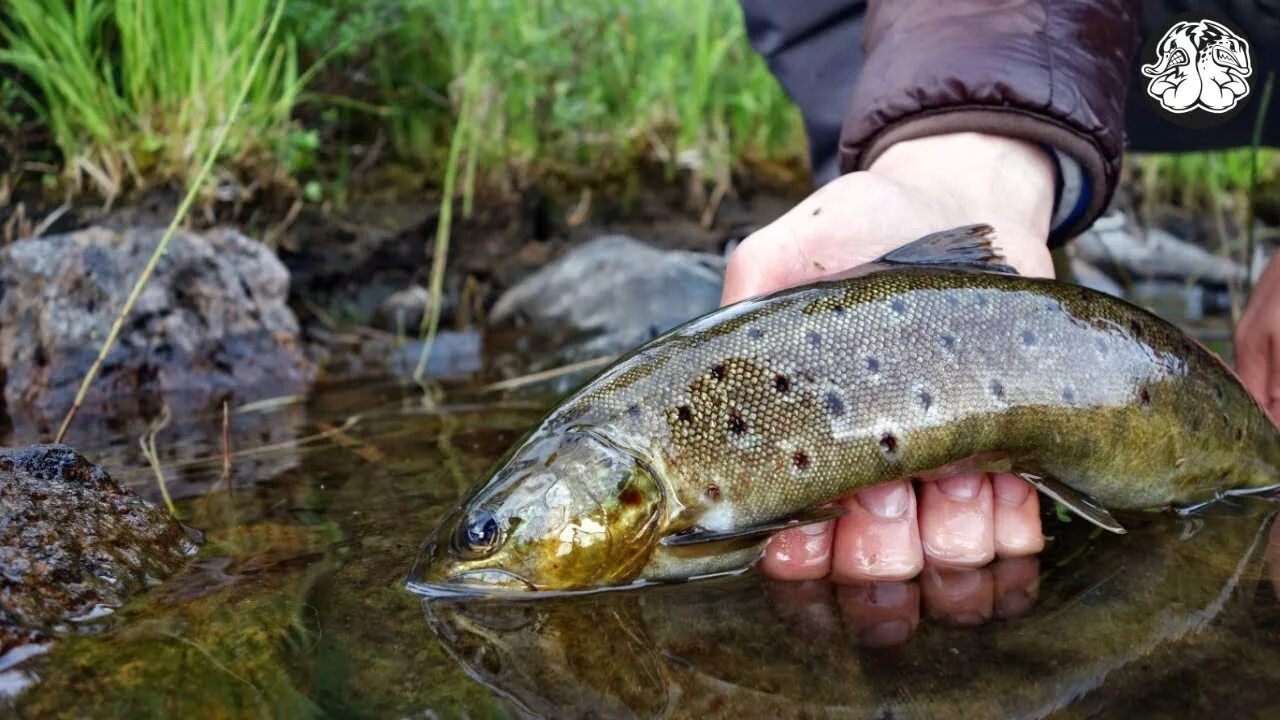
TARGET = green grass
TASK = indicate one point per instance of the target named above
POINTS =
(583, 88)
(1200, 179)
(133, 92)
(558, 93)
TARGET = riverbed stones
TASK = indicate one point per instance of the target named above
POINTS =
(73, 544)
(610, 295)
(211, 324)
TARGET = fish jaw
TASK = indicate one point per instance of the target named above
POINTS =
(569, 510)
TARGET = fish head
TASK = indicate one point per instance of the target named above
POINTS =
(565, 511)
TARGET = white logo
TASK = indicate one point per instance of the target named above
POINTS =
(1199, 65)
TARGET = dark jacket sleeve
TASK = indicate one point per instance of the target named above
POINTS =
(1049, 71)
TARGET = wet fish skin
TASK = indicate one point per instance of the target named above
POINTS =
(765, 409)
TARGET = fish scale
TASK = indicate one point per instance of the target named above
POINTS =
(898, 353)
(756, 416)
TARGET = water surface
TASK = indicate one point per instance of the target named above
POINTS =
(296, 605)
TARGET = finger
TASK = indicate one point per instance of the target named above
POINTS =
(1015, 585)
(881, 614)
(878, 538)
(1253, 356)
(1016, 513)
(956, 527)
(1271, 400)
(802, 553)
(957, 596)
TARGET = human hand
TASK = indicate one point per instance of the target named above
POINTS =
(916, 187)
(1257, 341)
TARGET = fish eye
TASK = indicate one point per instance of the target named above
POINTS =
(478, 535)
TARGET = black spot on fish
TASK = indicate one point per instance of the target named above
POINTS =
(889, 443)
(873, 365)
(1028, 337)
(1135, 328)
(948, 342)
(800, 459)
(838, 310)
(634, 411)
(815, 338)
(713, 493)
(737, 425)
(997, 388)
(898, 306)
(816, 211)
(1068, 394)
(1220, 392)
(1239, 434)
(1144, 396)
(835, 405)
(926, 401)
(1051, 305)
(685, 413)
(781, 383)
(717, 372)
(754, 333)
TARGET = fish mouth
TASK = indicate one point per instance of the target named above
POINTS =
(471, 583)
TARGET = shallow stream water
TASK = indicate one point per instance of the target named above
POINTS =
(296, 607)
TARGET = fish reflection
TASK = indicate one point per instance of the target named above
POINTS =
(1017, 639)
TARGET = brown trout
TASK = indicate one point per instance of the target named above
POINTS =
(681, 459)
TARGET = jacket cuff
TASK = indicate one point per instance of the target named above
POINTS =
(1051, 72)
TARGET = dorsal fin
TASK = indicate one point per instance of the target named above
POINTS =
(962, 247)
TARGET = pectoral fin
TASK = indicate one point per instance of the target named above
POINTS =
(698, 535)
(962, 247)
(1079, 503)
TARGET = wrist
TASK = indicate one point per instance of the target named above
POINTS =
(974, 177)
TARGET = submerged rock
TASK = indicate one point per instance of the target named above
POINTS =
(74, 545)
(611, 294)
(212, 323)
(1114, 242)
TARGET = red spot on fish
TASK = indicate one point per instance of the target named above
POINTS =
(713, 493)
(781, 383)
(718, 372)
(630, 496)
(800, 459)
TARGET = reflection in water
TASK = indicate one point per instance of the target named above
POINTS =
(1082, 629)
(296, 607)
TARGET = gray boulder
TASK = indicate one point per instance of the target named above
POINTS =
(211, 324)
(1114, 242)
(74, 545)
(610, 295)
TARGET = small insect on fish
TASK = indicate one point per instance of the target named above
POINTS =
(681, 459)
